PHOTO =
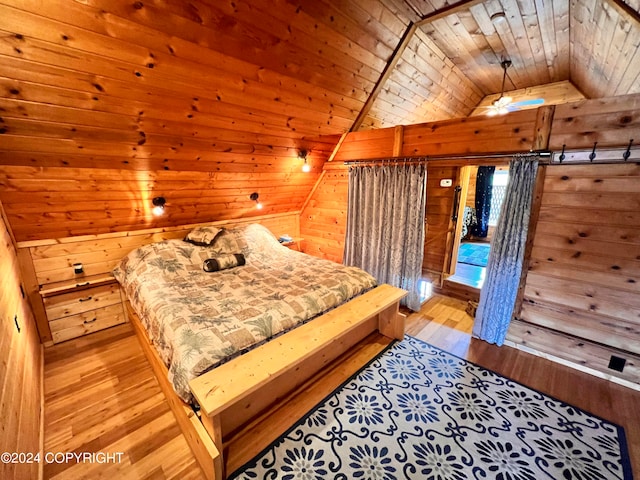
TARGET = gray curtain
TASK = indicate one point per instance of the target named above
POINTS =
(385, 225)
(498, 295)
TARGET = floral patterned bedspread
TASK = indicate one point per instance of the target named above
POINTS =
(198, 320)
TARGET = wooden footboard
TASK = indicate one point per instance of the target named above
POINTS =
(235, 392)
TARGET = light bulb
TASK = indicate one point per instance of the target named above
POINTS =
(306, 168)
(258, 205)
(158, 206)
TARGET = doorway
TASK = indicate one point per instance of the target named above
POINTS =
(479, 210)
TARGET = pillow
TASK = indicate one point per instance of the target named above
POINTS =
(203, 236)
(261, 239)
(223, 262)
(166, 255)
(230, 241)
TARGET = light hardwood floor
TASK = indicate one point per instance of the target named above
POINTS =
(101, 396)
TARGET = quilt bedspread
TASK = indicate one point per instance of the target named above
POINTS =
(199, 319)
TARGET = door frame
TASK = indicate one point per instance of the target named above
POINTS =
(456, 221)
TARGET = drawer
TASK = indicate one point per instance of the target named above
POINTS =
(83, 323)
(80, 301)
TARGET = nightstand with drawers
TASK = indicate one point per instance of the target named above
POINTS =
(78, 307)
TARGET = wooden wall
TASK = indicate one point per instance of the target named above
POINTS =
(507, 133)
(581, 294)
(439, 226)
(323, 220)
(107, 104)
(54, 202)
(584, 275)
(20, 366)
(607, 121)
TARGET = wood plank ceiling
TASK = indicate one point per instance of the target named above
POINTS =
(454, 61)
(206, 101)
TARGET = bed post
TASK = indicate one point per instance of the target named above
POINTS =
(214, 428)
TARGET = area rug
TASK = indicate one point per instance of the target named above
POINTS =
(474, 254)
(418, 412)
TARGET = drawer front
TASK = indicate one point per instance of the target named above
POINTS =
(81, 301)
(87, 322)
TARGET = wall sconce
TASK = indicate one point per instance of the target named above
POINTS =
(254, 196)
(305, 167)
(158, 205)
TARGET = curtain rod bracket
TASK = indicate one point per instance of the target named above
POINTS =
(592, 156)
(627, 154)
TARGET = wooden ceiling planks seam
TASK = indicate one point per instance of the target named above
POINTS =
(234, 38)
(234, 79)
(597, 69)
(522, 20)
(620, 43)
(408, 36)
(422, 72)
(459, 47)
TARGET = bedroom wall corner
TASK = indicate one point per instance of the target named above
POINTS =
(20, 367)
(324, 232)
(323, 222)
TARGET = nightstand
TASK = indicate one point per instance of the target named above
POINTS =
(294, 244)
(81, 306)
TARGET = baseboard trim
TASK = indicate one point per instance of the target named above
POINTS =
(576, 366)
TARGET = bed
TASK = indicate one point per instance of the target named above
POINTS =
(198, 320)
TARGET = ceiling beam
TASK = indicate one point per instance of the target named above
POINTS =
(447, 10)
(386, 73)
(399, 50)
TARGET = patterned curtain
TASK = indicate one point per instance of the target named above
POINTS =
(484, 189)
(498, 295)
(385, 225)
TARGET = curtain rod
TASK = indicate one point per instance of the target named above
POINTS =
(425, 159)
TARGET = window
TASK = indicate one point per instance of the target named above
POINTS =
(500, 180)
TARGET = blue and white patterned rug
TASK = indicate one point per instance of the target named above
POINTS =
(418, 412)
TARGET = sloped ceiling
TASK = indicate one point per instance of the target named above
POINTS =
(235, 89)
(454, 61)
(298, 69)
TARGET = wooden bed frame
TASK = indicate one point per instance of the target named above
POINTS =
(239, 390)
